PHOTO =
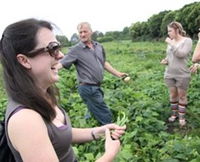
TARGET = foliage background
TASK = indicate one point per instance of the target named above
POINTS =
(144, 100)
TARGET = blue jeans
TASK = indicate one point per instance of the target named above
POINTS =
(93, 98)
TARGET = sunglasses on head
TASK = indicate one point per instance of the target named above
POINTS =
(53, 49)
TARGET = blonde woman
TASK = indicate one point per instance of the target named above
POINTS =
(177, 74)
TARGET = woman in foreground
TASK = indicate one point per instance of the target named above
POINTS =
(37, 128)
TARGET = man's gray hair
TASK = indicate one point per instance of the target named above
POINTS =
(80, 25)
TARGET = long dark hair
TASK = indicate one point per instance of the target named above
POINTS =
(20, 37)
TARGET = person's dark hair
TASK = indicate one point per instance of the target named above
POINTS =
(177, 26)
(17, 38)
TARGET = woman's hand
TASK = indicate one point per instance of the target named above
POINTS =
(164, 61)
(117, 131)
(194, 68)
(112, 147)
(169, 41)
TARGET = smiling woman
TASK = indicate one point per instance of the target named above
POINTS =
(34, 123)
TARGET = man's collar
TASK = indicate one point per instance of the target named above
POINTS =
(83, 45)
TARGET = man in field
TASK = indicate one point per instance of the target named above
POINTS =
(89, 59)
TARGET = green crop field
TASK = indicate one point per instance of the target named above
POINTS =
(142, 103)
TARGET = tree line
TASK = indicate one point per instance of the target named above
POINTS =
(155, 28)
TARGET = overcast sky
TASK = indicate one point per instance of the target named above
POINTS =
(103, 15)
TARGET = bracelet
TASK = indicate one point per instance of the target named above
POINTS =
(93, 136)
